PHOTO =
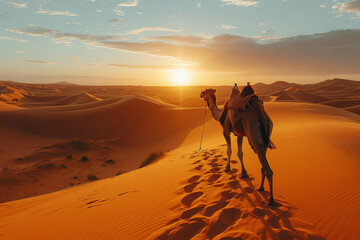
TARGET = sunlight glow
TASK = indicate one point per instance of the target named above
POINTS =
(180, 77)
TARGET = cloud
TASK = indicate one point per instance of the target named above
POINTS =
(75, 58)
(335, 52)
(115, 20)
(33, 31)
(73, 23)
(139, 13)
(65, 38)
(322, 6)
(130, 3)
(38, 61)
(152, 29)
(18, 5)
(12, 39)
(53, 13)
(351, 7)
(19, 52)
(227, 26)
(189, 40)
(241, 3)
(198, 4)
(330, 53)
(119, 12)
(162, 67)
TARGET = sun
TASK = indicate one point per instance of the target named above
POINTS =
(180, 77)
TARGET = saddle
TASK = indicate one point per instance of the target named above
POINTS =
(243, 103)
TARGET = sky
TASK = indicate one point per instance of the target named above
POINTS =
(178, 42)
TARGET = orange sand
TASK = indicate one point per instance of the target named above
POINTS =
(185, 194)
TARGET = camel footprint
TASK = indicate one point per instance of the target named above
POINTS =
(227, 217)
(192, 211)
(193, 178)
(190, 187)
(190, 198)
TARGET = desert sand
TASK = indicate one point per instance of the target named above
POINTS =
(141, 143)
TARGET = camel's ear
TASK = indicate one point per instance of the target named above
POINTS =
(214, 90)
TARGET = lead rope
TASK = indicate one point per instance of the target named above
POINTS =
(202, 135)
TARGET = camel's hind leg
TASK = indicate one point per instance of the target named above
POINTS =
(268, 173)
(261, 188)
(240, 156)
(228, 151)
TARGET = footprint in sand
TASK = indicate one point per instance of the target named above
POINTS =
(214, 170)
(227, 217)
(198, 168)
(184, 230)
(191, 212)
(228, 194)
(196, 162)
(234, 184)
(214, 177)
(259, 212)
(209, 211)
(234, 161)
(190, 198)
(193, 179)
(190, 187)
(249, 189)
(273, 221)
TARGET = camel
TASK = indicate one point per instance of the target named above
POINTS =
(253, 123)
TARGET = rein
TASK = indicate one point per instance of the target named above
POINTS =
(202, 135)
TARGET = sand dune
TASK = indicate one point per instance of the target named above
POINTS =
(354, 109)
(187, 194)
(131, 127)
(60, 150)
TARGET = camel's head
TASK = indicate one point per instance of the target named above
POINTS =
(207, 94)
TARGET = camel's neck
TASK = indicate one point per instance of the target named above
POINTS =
(215, 111)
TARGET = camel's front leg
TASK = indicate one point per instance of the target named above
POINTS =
(228, 151)
(240, 156)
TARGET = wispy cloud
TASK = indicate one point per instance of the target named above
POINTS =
(73, 23)
(130, 3)
(152, 29)
(315, 54)
(75, 58)
(115, 20)
(119, 12)
(12, 39)
(189, 40)
(142, 66)
(19, 52)
(53, 13)
(38, 61)
(198, 4)
(17, 4)
(351, 7)
(65, 38)
(227, 26)
(241, 3)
